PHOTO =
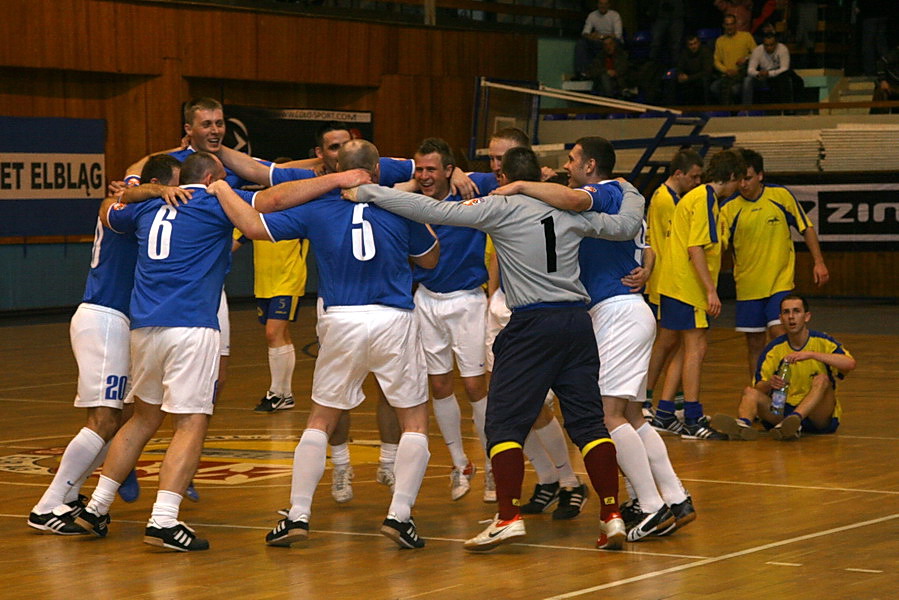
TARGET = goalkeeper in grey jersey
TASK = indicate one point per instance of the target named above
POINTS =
(549, 341)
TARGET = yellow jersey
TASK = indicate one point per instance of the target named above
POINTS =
(759, 233)
(694, 223)
(802, 372)
(658, 230)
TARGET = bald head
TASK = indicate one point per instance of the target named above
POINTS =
(358, 154)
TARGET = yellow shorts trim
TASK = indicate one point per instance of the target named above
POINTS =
(502, 447)
(594, 444)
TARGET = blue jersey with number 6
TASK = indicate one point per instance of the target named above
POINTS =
(183, 256)
(362, 251)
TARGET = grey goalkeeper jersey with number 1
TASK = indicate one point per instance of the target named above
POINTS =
(536, 244)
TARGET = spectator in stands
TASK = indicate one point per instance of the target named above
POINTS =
(769, 69)
(610, 70)
(740, 9)
(732, 51)
(887, 79)
(694, 72)
(667, 25)
(601, 23)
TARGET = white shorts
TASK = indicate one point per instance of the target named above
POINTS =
(224, 327)
(176, 367)
(625, 329)
(498, 315)
(451, 325)
(101, 343)
(356, 340)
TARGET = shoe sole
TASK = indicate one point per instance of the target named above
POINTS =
(733, 430)
(154, 541)
(787, 431)
(616, 542)
(498, 541)
(397, 538)
(291, 537)
(88, 527)
(45, 529)
(660, 527)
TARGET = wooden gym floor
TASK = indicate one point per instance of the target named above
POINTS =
(818, 518)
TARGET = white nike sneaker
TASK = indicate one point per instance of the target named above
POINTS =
(498, 532)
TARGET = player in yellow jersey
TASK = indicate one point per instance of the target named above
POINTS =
(758, 223)
(687, 284)
(815, 360)
(684, 174)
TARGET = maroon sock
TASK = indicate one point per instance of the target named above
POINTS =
(602, 467)
(508, 472)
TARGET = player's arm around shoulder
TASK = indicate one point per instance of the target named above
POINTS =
(242, 215)
(554, 194)
(622, 226)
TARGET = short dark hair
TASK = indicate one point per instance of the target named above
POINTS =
(513, 134)
(329, 126)
(794, 297)
(684, 160)
(434, 145)
(752, 159)
(520, 164)
(196, 166)
(691, 36)
(599, 149)
(358, 154)
(192, 106)
(160, 167)
(724, 166)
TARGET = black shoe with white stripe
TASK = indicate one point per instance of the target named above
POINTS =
(179, 537)
(403, 533)
(544, 497)
(286, 532)
(651, 523)
(571, 501)
(95, 524)
(63, 524)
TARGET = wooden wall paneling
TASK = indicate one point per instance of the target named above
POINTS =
(402, 113)
(217, 43)
(852, 274)
(21, 40)
(414, 51)
(157, 40)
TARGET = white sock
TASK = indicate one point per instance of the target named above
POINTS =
(479, 416)
(411, 463)
(308, 468)
(540, 460)
(281, 361)
(662, 471)
(388, 454)
(449, 420)
(103, 495)
(340, 455)
(553, 439)
(75, 490)
(634, 464)
(165, 509)
(74, 468)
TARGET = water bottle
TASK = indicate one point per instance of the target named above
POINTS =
(779, 397)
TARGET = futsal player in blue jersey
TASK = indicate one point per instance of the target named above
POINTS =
(183, 256)
(451, 309)
(367, 326)
(99, 334)
(625, 329)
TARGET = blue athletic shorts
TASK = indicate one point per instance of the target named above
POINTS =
(282, 308)
(758, 315)
(677, 315)
(807, 425)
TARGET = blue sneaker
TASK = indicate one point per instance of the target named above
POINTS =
(129, 491)
(191, 492)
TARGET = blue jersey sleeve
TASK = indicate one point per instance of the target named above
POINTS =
(246, 196)
(606, 197)
(420, 239)
(121, 217)
(282, 175)
(288, 224)
(486, 182)
(395, 170)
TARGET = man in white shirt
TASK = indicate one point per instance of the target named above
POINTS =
(601, 23)
(769, 67)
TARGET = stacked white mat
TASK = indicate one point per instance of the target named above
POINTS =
(860, 147)
(788, 151)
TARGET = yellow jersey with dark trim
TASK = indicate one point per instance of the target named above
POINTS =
(694, 223)
(759, 233)
(658, 230)
(279, 268)
(803, 372)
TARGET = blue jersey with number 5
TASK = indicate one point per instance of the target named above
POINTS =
(183, 256)
(362, 251)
